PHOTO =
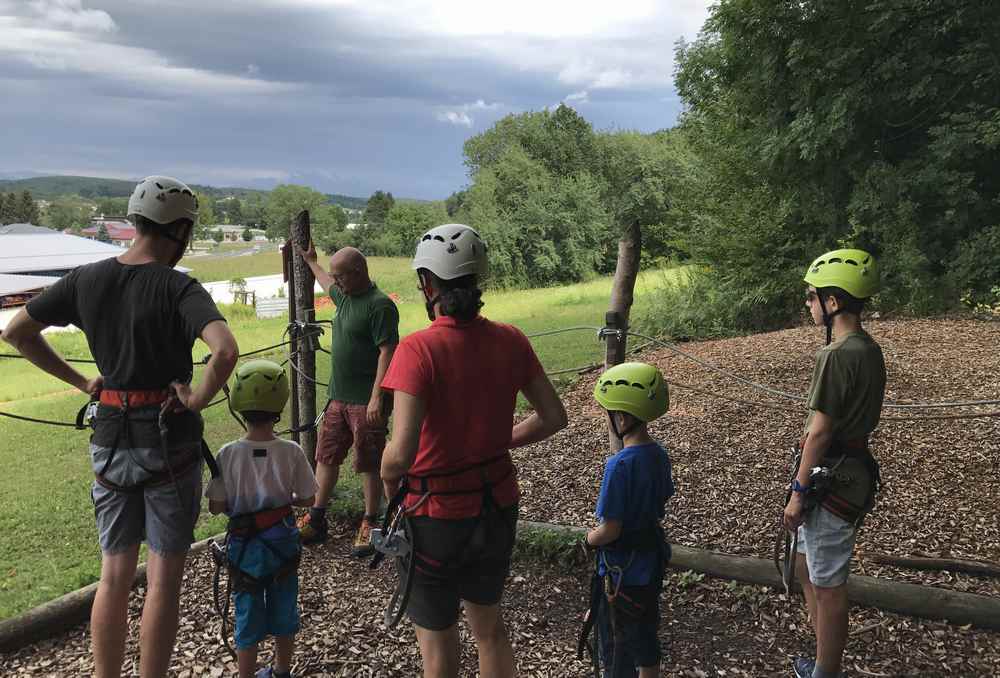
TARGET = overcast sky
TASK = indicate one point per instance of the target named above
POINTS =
(347, 96)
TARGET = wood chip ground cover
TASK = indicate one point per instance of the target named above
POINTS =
(730, 464)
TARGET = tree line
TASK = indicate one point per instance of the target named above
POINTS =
(18, 208)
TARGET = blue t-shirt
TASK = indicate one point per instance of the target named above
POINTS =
(637, 484)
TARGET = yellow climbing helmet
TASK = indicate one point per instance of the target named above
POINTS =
(261, 386)
(636, 388)
(853, 271)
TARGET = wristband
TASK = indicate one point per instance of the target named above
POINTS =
(797, 487)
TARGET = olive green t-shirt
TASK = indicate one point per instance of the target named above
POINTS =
(848, 385)
(363, 322)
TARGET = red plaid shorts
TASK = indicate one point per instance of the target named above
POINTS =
(345, 425)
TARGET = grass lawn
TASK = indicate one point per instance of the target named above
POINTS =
(48, 543)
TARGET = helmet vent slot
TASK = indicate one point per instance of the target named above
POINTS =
(159, 185)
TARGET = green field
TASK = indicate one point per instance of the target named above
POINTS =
(47, 539)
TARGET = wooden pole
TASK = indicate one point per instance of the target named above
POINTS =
(622, 295)
(305, 360)
(288, 268)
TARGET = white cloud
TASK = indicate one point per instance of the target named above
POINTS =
(70, 14)
(54, 37)
(581, 97)
(455, 118)
(253, 70)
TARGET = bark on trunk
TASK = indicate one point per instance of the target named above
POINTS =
(305, 358)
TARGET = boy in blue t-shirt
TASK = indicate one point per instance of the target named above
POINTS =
(632, 549)
(262, 477)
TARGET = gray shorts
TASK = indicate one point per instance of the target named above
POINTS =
(162, 516)
(827, 542)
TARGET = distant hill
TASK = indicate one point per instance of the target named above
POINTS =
(47, 188)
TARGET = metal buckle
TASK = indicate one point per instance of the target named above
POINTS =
(392, 543)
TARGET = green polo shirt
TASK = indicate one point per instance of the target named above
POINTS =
(363, 322)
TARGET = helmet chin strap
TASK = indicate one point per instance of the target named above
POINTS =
(827, 318)
(182, 245)
(621, 434)
(429, 301)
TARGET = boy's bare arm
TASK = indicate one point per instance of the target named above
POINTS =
(605, 533)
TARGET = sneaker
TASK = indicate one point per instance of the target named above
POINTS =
(363, 541)
(312, 532)
(804, 667)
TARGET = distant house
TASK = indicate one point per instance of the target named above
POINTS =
(234, 232)
(121, 232)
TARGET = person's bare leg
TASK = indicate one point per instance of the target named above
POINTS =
(649, 671)
(832, 610)
(164, 573)
(496, 656)
(109, 614)
(371, 484)
(439, 652)
(284, 646)
(802, 576)
(246, 660)
(326, 480)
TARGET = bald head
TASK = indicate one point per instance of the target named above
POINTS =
(349, 270)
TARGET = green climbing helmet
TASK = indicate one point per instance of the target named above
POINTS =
(261, 386)
(853, 271)
(636, 388)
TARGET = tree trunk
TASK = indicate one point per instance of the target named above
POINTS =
(305, 357)
(616, 320)
(288, 268)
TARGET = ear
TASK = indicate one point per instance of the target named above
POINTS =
(832, 303)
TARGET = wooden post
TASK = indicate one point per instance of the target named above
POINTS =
(622, 294)
(288, 269)
(305, 358)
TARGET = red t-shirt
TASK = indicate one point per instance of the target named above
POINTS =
(468, 374)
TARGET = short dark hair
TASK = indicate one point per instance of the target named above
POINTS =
(460, 298)
(847, 302)
(260, 417)
(146, 226)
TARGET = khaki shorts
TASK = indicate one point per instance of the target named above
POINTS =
(345, 425)
(827, 543)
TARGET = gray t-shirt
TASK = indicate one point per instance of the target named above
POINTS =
(257, 475)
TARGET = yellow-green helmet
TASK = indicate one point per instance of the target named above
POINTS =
(636, 388)
(261, 386)
(853, 271)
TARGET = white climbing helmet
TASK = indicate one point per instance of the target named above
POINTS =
(163, 200)
(451, 251)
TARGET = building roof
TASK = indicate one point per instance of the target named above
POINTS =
(117, 230)
(51, 252)
(11, 283)
(24, 229)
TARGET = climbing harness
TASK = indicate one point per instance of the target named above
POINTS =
(826, 489)
(395, 538)
(245, 528)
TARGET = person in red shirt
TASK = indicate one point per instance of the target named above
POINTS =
(455, 387)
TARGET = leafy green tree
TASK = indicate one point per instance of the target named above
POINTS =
(404, 223)
(817, 124)
(102, 233)
(377, 210)
(217, 235)
(112, 207)
(63, 214)
(254, 212)
(287, 200)
(206, 211)
(326, 223)
(27, 209)
(234, 211)
(455, 202)
(5, 212)
(247, 234)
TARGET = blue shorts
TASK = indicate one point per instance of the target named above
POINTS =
(273, 610)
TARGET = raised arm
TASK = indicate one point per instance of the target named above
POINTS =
(549, 415)
(24, 333)
(310, 257)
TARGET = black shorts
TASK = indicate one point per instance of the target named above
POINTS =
(457, 560)
(639, 646)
